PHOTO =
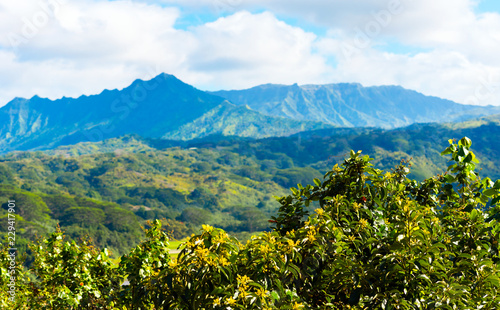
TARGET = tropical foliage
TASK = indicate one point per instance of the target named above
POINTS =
(375, 240)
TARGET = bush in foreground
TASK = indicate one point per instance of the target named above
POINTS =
(376, 240)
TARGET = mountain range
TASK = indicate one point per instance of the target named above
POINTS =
(165, 107)
(352, 105)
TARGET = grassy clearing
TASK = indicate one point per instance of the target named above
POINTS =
(174, 244)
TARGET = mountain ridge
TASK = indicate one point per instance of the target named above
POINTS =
(232, 120)
(166, 107)
(156, 108)
(353, 105)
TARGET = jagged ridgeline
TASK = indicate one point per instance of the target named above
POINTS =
(228, 183)
(165, 107)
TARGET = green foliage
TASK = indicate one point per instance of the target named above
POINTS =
(6, 175)
(34, 208)
(141, 266)
(292, 176)
(177, 229)
(381, 241)
(106, 223)
(13, 278)
(196, 216)
(376, 240)
(71, 276)
(150, 183)
(86, 217)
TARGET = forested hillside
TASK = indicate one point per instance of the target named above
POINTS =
(167, 108)
(112, 193)
(226, 182)
(108, 224)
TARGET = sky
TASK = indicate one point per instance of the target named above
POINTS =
(444, 48)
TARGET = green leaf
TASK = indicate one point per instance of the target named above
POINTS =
(490, 192)
(317, 182)
(474, 215)
(466, 142)
(449, 178)
(495, 200)
(462, 152)
(447, 151)
(493, 280)
(275, 295)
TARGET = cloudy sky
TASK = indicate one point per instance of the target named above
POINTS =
(445, 48)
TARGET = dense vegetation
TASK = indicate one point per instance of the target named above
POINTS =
(108, 196)
(107, 224)
(228, 183)
(376, 240)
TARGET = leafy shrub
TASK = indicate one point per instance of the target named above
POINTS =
(381, 241)
(71, 276)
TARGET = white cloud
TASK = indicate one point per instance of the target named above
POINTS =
(88, 45)
(460, 63)
(440, 73)
(244, 49)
